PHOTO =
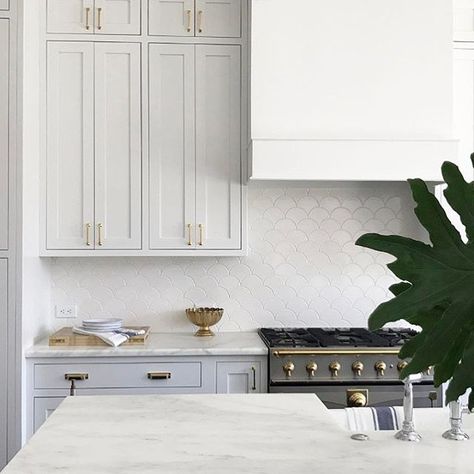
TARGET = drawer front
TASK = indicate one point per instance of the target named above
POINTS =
(129, 375)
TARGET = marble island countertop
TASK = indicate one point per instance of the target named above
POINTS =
(164, 344)
(224, 434)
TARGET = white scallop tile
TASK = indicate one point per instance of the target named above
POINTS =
(303, 267)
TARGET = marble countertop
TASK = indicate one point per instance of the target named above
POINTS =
(164, 344)
(224, 434)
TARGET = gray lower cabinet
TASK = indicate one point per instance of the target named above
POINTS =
(50, 380)
(3, 359)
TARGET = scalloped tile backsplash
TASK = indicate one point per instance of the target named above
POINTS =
(303, 268)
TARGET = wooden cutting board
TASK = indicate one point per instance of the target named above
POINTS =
(66, 338)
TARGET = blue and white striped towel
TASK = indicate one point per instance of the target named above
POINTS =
(374, 418)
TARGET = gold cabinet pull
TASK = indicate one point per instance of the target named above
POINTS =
(190, 20)
(254, 378)
(201, 234)
(159, 375)
(99, 18)
(190, 237)
(88, 10)
(99, 235)
(200, 14)
(73, 378)
(88, 234)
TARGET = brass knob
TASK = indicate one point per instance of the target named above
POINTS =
(357, 399)
(288, 368)
(311, 368)
(357, 368)
(401, 365)
(335, 367)
(380, 367)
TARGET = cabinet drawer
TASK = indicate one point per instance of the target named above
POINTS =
(125, 375)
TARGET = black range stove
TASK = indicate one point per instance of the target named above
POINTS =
(344, 366)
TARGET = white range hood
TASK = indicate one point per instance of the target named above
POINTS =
(351, 89)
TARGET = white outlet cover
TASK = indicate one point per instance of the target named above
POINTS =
(66, 312)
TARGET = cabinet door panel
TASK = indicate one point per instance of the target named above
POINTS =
(43, 408)
(220, 18)
(118, 17)
(4, 5)
(70, 16)
(4, 131)
(70, 144)
(238, 377)
(171, 146)
(218, 146)
(3, 359)
(463, 20)
(171, 17)
(118, 145)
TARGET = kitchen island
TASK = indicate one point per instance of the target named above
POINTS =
(218, 434)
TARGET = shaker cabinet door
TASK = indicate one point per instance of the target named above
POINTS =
(70, 145)
(171, 17)
(4, 131)
(117, 17)
(4, 4)
(221, 18)
(171, 146)
(3, 359)
(463, 20)
(70, 16)
(238, 377)
(218, 147)
(117, 146)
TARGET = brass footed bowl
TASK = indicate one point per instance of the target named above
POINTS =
(204, 318)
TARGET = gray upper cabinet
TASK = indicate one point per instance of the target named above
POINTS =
(113, 17)
(206, 18)
(4, 131)
(4, 4)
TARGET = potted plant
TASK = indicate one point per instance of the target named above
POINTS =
(436, 291)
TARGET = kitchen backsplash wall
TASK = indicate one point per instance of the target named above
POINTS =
(303, 268)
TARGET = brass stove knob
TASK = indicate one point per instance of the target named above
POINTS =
(334, 367)
(311, 368)
(401, 365)
(357, 399)
(288, 368)
(380, 367)
(357, 368)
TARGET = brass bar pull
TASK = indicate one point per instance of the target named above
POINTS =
(201, 234)
(200, 14)
(88, 234)
(99, 18)
(99, 235)
(88, 10)
(190, 19)
(73, 378)
(83, 376)
(254, 378)
(190, 237)
(159, 375)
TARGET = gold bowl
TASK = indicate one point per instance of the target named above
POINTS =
(204, 318)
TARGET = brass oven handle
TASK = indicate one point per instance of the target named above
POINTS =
(357, 399)
(99, 235)
(254, 378)
(190, 237)
(159, 375)
(88, 10)
(88, 234)
(201, 234)
(200, 14)
(99, 18)
(190, 19)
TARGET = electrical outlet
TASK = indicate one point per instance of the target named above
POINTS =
(66, 312)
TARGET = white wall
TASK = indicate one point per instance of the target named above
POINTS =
(303, 267)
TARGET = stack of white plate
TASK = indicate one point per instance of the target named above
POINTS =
(102, 324)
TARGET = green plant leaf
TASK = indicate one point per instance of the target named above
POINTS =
(437, 287)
